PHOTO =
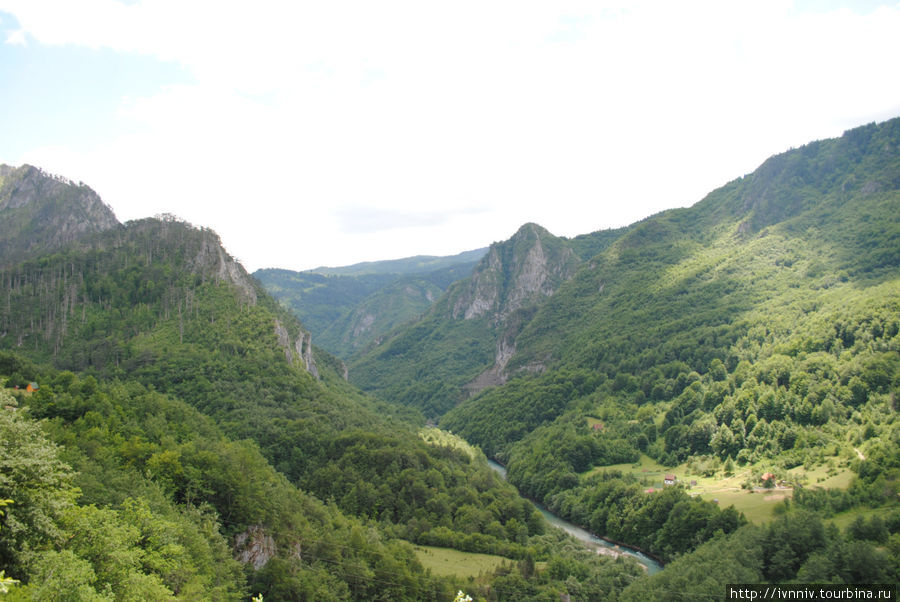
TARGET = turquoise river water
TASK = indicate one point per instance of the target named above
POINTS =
(587, 537)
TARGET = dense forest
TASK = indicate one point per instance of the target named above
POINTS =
(186, 440)
(347, 309)
(169, 429)
(754, 333)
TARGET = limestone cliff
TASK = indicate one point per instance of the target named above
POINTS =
(514, 277)
(299, 348)
(528, 267)
(467, 339)
(254, 547)
(40, 212)
(211, 258)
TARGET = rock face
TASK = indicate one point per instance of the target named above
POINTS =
(254, 546)
(523, 270)
(212, 258)
(40, 212)
(301, 348)
(512, 279)
(467, 340)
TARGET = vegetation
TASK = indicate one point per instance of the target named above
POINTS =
(185, 440)
(347, 309)
(756, 329)
(180, 406)
(795, 548)
(431, 363)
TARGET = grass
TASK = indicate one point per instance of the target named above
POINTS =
(645, 468)
(447, 562)
(843, 519)
(831, 477)
(756, 505)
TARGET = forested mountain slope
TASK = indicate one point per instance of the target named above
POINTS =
(758, 327)
(199, 424)
(772, 269)
(465, 339)
(186, 440)
(406, 266)
(347, 309)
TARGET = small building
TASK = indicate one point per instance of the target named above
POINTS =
(669, 479)
(768, 476)
(32, 387)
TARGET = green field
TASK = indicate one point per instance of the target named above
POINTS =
(453, 563)
(756, 505)
(843, 519)
(645, 468)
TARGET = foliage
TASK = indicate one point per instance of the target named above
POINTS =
(433, 362)
(183, 416)
(347, 309)
(761, 325)
(796, 548)
(155, 325)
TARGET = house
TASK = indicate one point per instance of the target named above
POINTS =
(669, 479)
(768, 476)
(597, 426)
(32, 387)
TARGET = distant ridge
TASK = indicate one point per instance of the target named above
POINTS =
(406, 265)
(348, 308)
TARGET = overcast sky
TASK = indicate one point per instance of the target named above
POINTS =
(332, 132)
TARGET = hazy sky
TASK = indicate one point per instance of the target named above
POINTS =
(331, 132)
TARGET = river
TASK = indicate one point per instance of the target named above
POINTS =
(591, 540)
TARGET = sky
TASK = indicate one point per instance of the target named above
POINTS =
(328, 133)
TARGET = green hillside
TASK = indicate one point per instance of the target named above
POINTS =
(347, 309)
(466, 336)
(406, 266)
(186, 439)
(756, 331)
(718, 292)
(183, 415)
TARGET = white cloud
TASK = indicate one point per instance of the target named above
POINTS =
(17, 38)
(577, 115)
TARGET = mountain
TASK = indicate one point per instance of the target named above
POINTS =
(41, 212)
(374, 316)
(350, 307)
(468, 335)
(715, 385)
(186, 440)
(759, 327)
(405, 266)
(755, 332)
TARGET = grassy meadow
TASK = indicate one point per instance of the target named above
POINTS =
(756, 503)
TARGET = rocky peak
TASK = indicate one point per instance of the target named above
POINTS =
(28, 185)
(513, 278)
(212, 258)
(529, 266)
(41, 212)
